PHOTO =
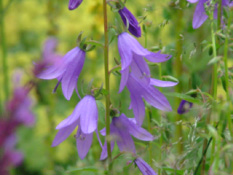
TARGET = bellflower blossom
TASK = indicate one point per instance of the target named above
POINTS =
(66, 70)
(135, 74)
(128, 18)
(184, 107)
(200, 16)
(85, 116)
(144, 167)
(121, 130)
(73, 4)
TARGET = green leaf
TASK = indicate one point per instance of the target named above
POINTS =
(184, 97)
(214, 60)
(96, 43)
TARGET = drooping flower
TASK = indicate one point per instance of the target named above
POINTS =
(49, 56)
(73, 4)
(144, 167)
(130, 21)
(135, 74)
(121, 130)
(184, 107)
(200, 16)
(139, 90)
(66, 70)
(85, 116)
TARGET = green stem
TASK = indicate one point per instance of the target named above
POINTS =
(178, 73)
(226, 74)
(107, 99)
(4, 54)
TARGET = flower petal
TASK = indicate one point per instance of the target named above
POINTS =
(136, 130)
(83, 143)
(124, 78)
(161, 83)
(89, 114)
(127, 16)
(104, 153)
(73, 69)
(144, 167)
(192, 1)
(199, 16)
(63, 134)
(73, 118)
(73, 4)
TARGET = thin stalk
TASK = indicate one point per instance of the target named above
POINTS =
(4, 54)
(213, 88)
(178, 73)
(107, 85)
(149, 117)
(226, 74)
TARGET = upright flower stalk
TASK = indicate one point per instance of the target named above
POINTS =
(4, 54)
(106, 69)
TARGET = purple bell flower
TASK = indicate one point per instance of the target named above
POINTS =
(130, 49)
(85, 116)
(66, 70)
(128, 17)
(73, 4)
(184, 107)
(144, 167)
(121, 130)
(200, 16)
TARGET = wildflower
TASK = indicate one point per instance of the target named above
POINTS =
(85, 116)
(10, 157)
(66, 70)
(144, 167)
(139, 90)
(130, 49)
(130, 21)
(184, 107)
(200, 16)
(49, 55)
(73, 4)
(121, 130)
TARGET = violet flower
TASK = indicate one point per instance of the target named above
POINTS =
(66, 70)
(139, 90)
(144, 167)
(19, 107)
(49, 56)
(200, 16)
(73, 4)
(85, 116)
(130, 49)
(10, 156)
(121, 130)
(129, 19)
(184, 107)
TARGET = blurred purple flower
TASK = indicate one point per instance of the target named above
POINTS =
(129, 19)
(184, 107)
(73, 4)
(144, 167)
(49, 55)
(200, 15)
(130, 49)
(121, 130)
(19, 107)
(66, 70)
(85, 116)
(10, 157)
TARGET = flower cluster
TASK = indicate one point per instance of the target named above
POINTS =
(135, 75)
